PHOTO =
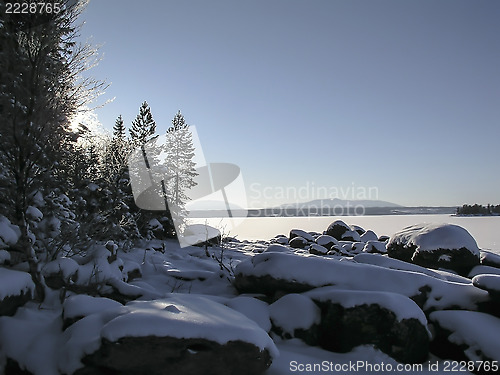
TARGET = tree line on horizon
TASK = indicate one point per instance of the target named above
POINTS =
(478, 209)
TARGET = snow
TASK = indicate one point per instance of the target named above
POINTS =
(66, 266)
(4, 256)
(403, 307)
(320, 271)
(375, 244)
(32, 338)
(479, 270)
(198, 233)
(488, 282)
(34, 213)
(14, 283)
(9, 233)
(395, 264)
(294, 311)
(297, 357)
(277, 248)
(430, 237)
(477, 330)
(81, 305)
(187, 316)
(252, 308)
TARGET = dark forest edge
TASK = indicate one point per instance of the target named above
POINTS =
(478, 210)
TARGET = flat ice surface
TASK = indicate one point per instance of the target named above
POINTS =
(483, 229)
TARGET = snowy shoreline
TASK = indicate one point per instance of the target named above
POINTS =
(272, 299)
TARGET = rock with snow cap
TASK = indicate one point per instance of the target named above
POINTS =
(436, 246)
(275, 274)
(466, 336)
(296, 316)
(180, 334)
(16, 288)
(390, 321)
(298, 242)
(337, 229)
(300, 233)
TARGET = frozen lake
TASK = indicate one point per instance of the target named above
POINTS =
(486, 229)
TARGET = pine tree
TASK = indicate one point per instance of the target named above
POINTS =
(179, 151)
(119, 129)
(143, 127)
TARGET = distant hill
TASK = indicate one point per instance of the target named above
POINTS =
(336, 202)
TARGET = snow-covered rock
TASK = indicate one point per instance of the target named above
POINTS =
(337, 229)
(179, 334)
(279, 272)
(483, 270)
(491, 283)
(316, 249)
(489, 259)
(357, 228)
(369, 235)
(392, 322)
(350, 235)
(16, 288)
(252, 308)
(300, 233)
(79, 306)
(327, 241)
(280, 239)
(298, 242)
(456, 329)
(296, 315)
(277, 248)
(376, 247)
(436, 246)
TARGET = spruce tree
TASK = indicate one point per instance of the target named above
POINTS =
(143, 127)
(179, 151)
(119, 129)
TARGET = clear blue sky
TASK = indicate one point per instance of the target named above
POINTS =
(399, 95)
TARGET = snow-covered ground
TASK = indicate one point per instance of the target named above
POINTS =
(184, 286)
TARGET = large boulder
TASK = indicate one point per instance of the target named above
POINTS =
(390, 321)
(275, 274)
(337, 229)
(436, 246)
(490, 283)
(466, 336)
(16, 288)
(182, 334)
(296, 315)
